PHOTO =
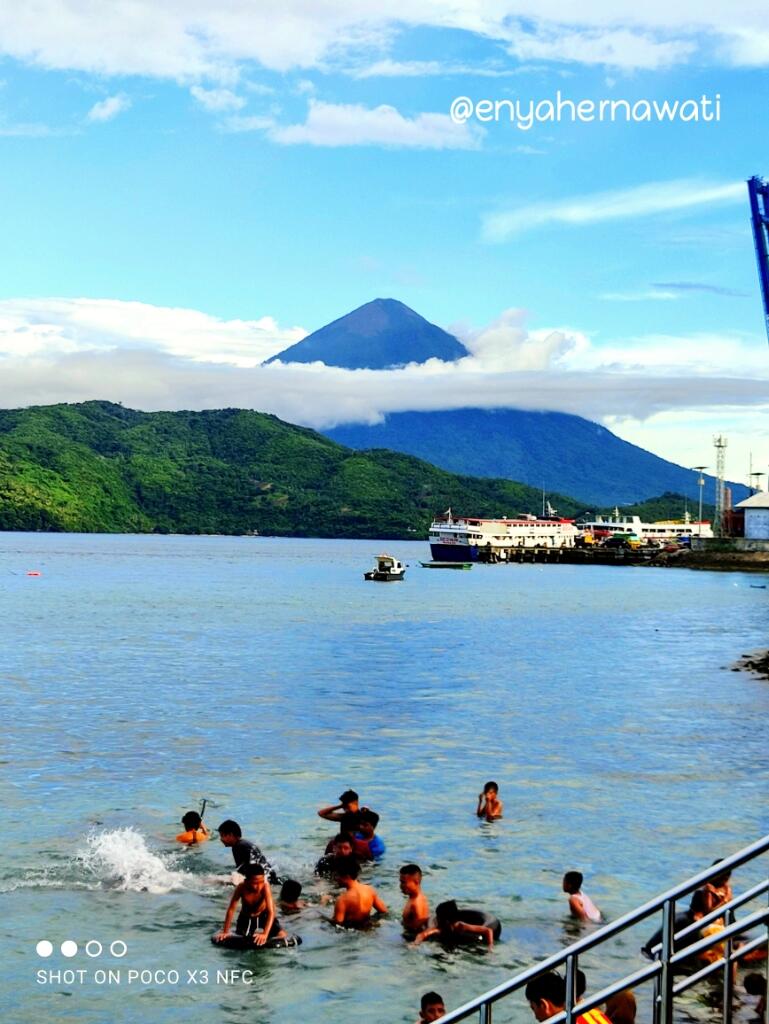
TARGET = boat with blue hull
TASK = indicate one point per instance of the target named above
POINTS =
(469, 539)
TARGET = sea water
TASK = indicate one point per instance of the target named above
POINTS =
(143, 674)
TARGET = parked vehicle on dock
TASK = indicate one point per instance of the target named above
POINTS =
(629, 541)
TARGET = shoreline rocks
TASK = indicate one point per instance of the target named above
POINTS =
(715, 561)
(756, 663)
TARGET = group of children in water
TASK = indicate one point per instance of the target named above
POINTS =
(356, 842)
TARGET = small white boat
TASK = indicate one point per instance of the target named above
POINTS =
(386, 570)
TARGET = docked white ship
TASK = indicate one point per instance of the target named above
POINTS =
(464, 539)
(663, 530)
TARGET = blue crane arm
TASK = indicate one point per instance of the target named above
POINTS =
(758, 191)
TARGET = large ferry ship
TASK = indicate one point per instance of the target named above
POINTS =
(663, 530)
(466, 539)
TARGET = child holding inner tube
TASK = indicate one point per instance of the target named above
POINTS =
(257, 919)
(460, 925)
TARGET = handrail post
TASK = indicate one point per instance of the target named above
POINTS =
(485, 1015)
(656, 1001)
(728, 971)
(666, 974)
(571, 987)
(766, 993)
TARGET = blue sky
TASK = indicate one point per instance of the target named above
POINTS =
(240, 173)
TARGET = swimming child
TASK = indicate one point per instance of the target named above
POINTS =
(416, 912)
(341, 846)
(194, 830)
(450, 926)
(490, 806)
(257, 918)
(366, 844)
(354, 906)
(580, 904)
(289, 897)
(347, 812)
(431, 1007)
(243, 851)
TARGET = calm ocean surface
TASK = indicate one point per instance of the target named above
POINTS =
(140, 674)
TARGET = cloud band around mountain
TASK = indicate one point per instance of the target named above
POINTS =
(159, 358)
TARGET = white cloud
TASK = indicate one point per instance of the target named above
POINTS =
(27, 130)
(247, 123)
(190, 40)
(389, 68)
(639, 201)
(507, 345)
(698, 355)
(745, 47)
(48, 328)
(608, 47)
(217, 100)
(686, 437)
(105, 110)
(351, 124)
(648, 295)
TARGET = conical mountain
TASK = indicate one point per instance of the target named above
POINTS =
(381, 335)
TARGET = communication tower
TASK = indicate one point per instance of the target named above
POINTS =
(720, 443)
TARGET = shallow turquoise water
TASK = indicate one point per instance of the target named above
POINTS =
(143, 673)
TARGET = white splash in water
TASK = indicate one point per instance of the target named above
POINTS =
(121, 859)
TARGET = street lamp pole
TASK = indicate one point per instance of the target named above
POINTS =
(701, 484)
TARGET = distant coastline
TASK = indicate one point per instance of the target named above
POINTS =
(716, 561)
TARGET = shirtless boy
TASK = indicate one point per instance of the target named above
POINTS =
(354, 906)
(416, 912)
(257, 915)
(489, 805)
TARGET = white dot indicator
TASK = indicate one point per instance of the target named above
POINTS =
(68, 948)
(44, 948)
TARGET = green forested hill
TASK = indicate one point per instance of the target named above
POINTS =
(98, 467)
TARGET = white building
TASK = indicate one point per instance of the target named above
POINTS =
(756, 516)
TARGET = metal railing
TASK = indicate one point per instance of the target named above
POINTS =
(669, 956)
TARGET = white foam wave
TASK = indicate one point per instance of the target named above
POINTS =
(121, 859)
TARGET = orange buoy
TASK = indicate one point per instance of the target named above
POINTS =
(34, 572)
